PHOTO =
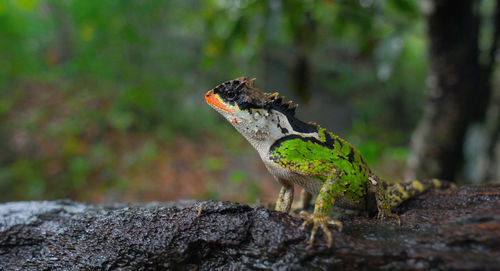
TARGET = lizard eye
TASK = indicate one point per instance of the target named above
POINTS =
(231, 95)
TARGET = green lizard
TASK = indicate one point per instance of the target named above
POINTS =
(305, 154)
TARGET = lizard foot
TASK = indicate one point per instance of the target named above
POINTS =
(382, 215)
(319, 221)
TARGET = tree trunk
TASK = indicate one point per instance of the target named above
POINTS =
(492, 172)
(458, 90)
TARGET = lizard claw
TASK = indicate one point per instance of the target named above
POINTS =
(319, 221)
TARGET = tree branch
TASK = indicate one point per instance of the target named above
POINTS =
(449, 229)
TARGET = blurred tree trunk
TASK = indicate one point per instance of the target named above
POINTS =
(491, 168)
(458, 88)
(304, 41)
(490, 171)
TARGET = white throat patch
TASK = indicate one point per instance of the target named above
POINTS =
(262, 128)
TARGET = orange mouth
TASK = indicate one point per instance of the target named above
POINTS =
(215, 101)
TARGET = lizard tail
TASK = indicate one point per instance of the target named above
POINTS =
(400, 192)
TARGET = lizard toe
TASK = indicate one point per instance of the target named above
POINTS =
(319, 221)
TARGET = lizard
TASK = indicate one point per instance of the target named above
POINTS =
(305, 154)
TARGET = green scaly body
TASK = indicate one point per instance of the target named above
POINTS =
(320, 159)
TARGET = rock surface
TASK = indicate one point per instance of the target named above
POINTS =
(449, 229)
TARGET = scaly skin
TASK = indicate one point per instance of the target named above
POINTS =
(305, 154)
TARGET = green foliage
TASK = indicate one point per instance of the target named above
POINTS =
(94, 94)
(237, 176)
(214, 163)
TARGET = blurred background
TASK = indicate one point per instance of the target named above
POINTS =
(103, 101)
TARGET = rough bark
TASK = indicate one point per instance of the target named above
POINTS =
(449, 229)
(457, 93)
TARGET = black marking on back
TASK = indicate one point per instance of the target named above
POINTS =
(289, 112)
(340, 142)
(300, 126)
(362, 159)
(329, 139)
(350, 156)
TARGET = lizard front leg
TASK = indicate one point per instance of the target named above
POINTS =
(285, 197)
(319, 218)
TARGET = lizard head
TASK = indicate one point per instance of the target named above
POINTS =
(256, 115)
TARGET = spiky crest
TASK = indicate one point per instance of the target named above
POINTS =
(249, 96)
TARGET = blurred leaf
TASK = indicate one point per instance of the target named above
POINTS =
(102, 155)
(5, 106)
(253, 192)
(237, 176)
(26, 5)
(397, 153)
(370, 150)
(73, 145)
(214, 163)
(87, 32)
(120, 120)
(147, 152)
(79, 169)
